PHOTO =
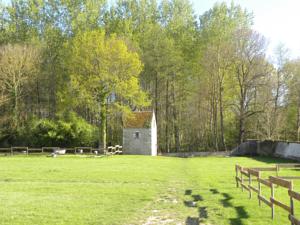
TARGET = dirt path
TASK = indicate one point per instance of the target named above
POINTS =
(180, 204)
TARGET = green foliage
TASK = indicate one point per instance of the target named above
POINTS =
(102, 67)
(72, 132)
(206, 76)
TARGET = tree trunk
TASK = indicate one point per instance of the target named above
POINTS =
(156, 96)
(216, 133)
(223, 145)
(241, 130)
(220, 97)
(242, 109)
(167, 119)
(175, 121)
(211, 123)
(38, 101)
(52, 87)
(156, 106)
(241, 122)
(215, 118)
(103, 121)
(176, 131)
(298, 121)
(16, 108)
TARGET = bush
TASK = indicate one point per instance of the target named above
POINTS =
(62, 133)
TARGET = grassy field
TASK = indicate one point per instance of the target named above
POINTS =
(130, 190)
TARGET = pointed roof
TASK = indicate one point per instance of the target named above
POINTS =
(139, 120)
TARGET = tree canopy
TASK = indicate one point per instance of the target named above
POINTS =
(72, 66)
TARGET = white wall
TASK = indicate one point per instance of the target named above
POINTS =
(146, 144)
(140, 146)
(288, 150)
(153, 136)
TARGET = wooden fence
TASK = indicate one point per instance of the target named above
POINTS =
(23, 150)
(281, 181)
(83, 150)
(47, 150)
(111, 150)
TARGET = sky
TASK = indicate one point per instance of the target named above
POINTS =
(277, 20)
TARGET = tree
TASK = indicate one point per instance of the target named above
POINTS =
(251, 67)
(292, 69)
(218, 28)
(101, 67)
(19, 65)
(178, 20)
(163, 62)
(206, 76)
(279, 89)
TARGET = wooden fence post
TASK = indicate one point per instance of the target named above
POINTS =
(272, 205)
(259, 188)
(236, 175)
(242, 181)
(292, 218)
(250, 182)
(291, 203)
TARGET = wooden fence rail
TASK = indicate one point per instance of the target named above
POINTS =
(83, 150)
(42, 150)
(239, 174)
(19, 149)
(285, 184)
(281, 181)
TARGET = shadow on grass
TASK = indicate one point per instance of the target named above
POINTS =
(226, 200)
(214, 191)
(242, 214)
(193, 203)
(190, 204)
(192, 221)
(235, 221)
(240, 210)
(188, 192)
(272, 160)
(197, 198)
(202, 212)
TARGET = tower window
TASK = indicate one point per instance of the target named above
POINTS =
(137, 135)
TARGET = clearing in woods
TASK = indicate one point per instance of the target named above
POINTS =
(130, 190)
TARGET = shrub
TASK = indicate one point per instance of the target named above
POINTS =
(62, 133)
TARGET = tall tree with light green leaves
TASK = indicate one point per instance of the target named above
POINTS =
(218, 28)
(292, 69)
(163, 63)
(101, 67)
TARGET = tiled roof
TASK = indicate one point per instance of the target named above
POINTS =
(138, 120)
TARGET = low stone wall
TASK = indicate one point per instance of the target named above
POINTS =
(287, 150)
(195, 154)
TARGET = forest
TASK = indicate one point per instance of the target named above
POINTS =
(71, 71)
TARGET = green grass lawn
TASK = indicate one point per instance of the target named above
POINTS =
(37, 190)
